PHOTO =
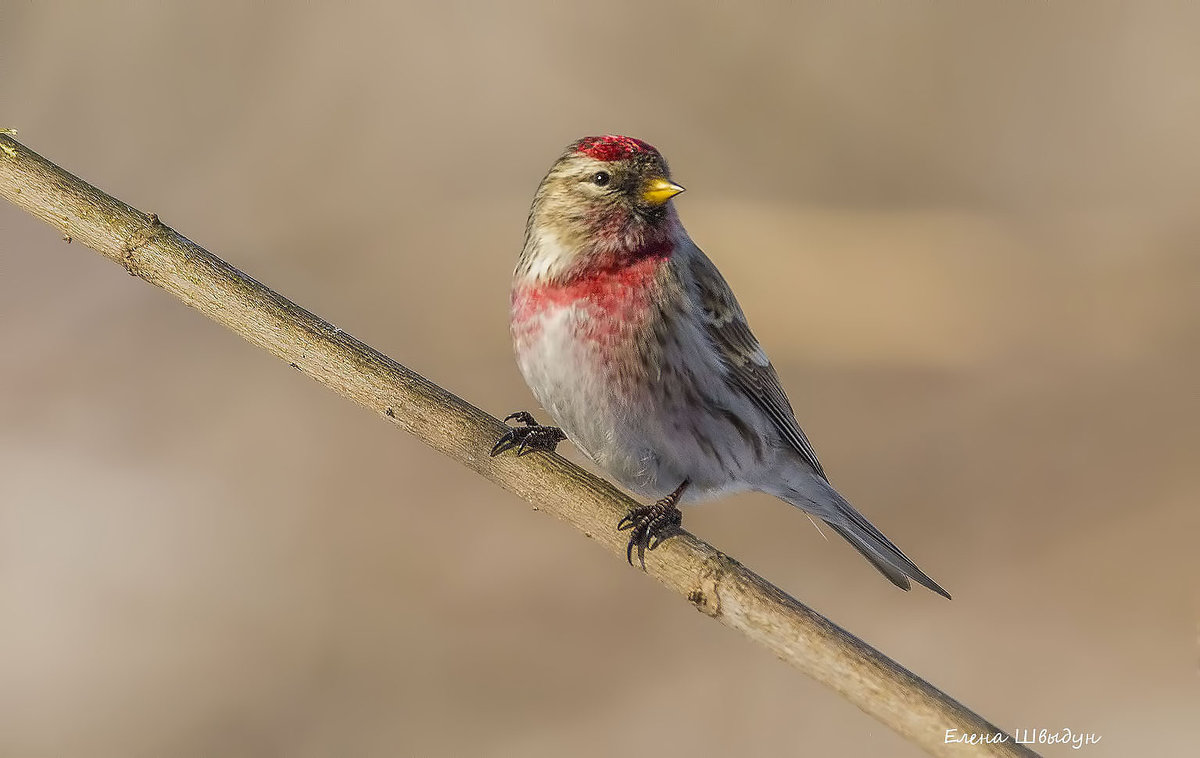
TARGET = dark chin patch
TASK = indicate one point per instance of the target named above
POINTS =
(650, 214)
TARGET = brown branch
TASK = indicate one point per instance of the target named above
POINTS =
(716, 584)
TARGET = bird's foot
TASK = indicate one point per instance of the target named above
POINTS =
(526, 439)
(649, 524)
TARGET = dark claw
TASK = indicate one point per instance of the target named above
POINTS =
(528, 438)
(505, 442)
(664, 523)
(524, 417)
(649, 525)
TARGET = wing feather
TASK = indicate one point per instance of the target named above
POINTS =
(749, 369)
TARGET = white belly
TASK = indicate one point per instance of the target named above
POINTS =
(648, 438)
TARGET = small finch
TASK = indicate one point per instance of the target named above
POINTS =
(630, 338)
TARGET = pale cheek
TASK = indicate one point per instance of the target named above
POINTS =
(550, 257)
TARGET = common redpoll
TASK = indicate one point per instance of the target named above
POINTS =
(631, 339)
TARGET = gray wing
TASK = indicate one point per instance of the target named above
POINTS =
(750, 371)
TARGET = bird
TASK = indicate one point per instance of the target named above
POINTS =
(630, 338)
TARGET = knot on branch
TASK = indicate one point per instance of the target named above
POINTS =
(705, 595)
(138, 240)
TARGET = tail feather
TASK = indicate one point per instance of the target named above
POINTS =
(886, 557)
(883, 554)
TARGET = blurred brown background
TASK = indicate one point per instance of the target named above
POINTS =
(967, 235)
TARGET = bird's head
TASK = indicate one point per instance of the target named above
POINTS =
(610, 176)
(605, 196)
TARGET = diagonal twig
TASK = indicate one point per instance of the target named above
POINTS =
(716, 584)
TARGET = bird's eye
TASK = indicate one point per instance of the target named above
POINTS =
(601, 178)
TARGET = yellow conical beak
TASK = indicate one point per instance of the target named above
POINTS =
(658, 191)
